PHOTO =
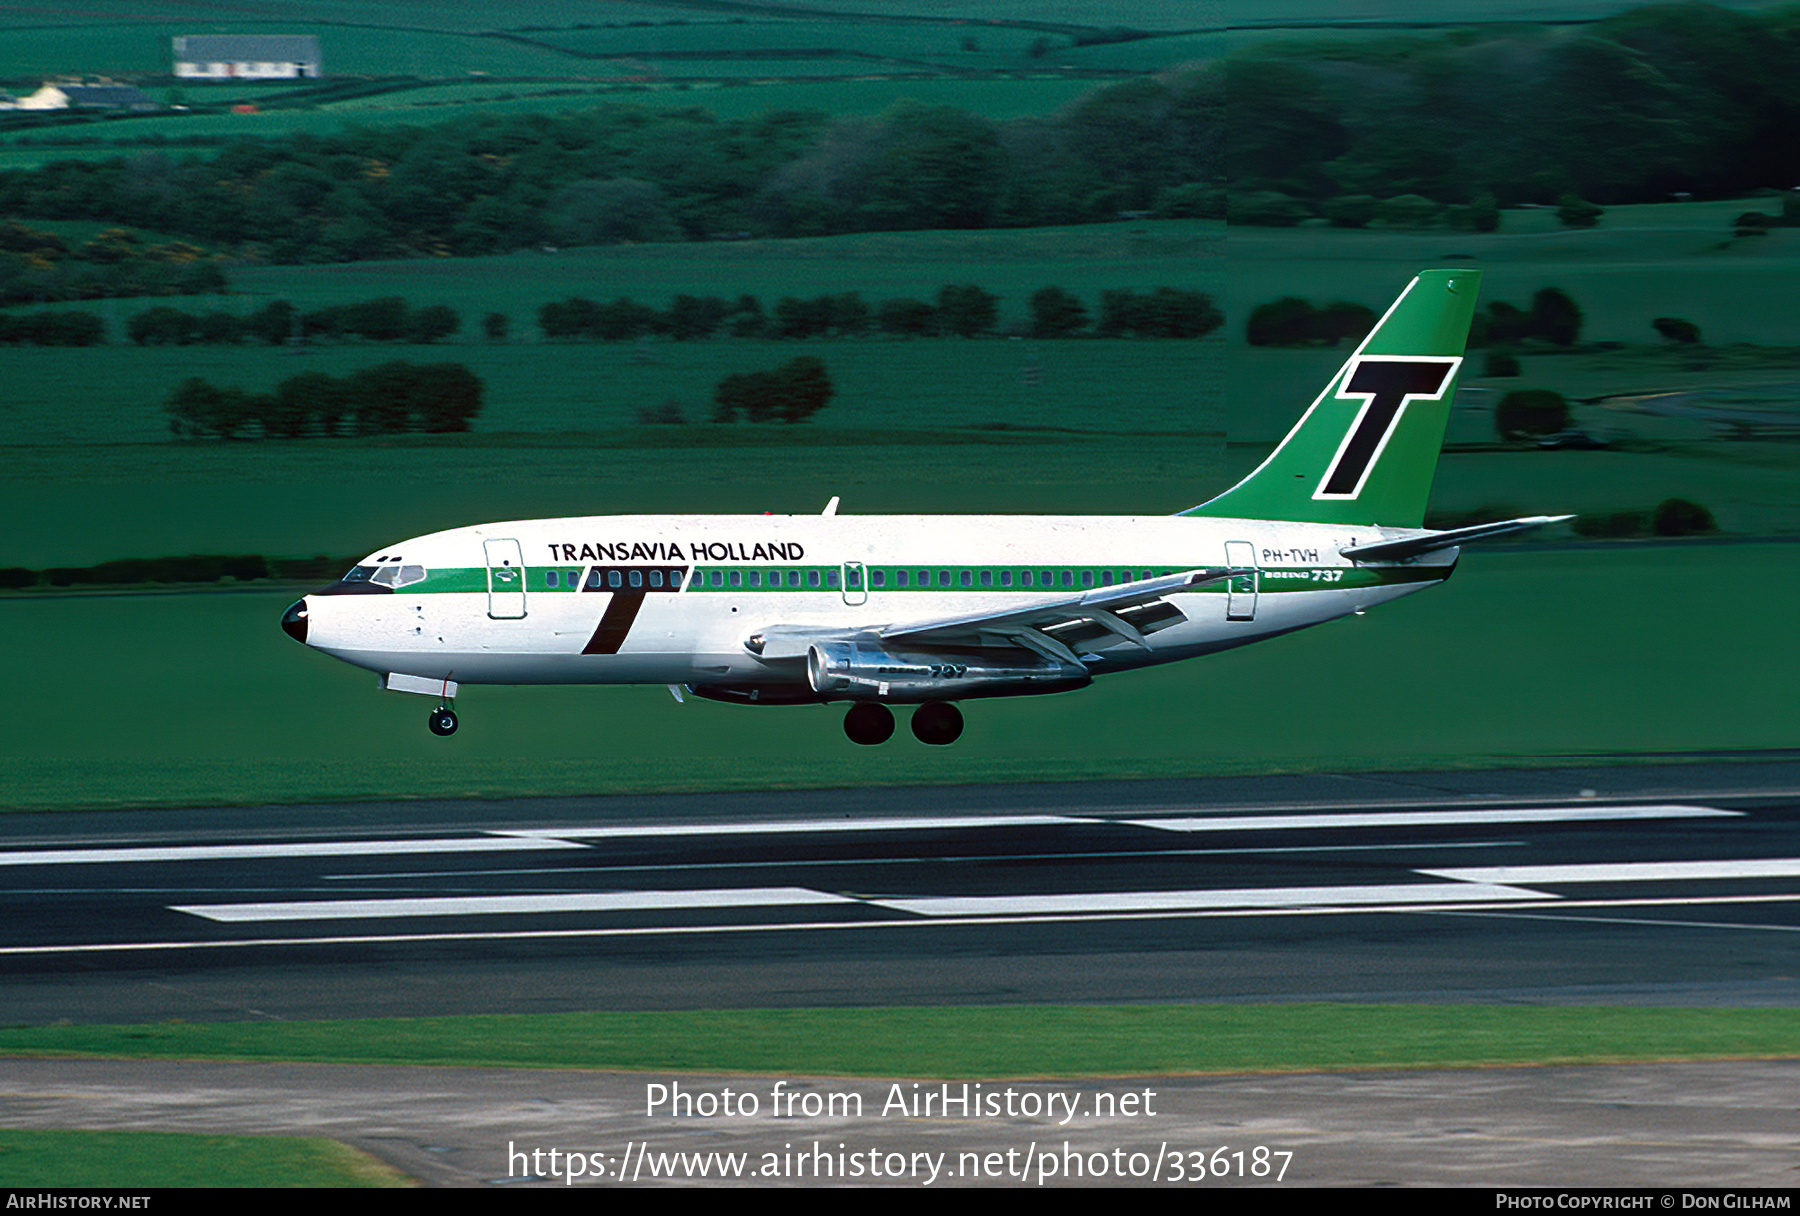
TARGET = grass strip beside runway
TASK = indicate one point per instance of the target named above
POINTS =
(974, 1043)
(90, 1159)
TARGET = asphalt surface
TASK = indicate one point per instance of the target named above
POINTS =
(1662, 885)
(1657, 884)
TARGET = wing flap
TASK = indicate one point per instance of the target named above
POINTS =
(1101, 607)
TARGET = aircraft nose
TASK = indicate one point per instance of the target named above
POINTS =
(293, 621)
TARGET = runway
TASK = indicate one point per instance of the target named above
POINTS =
(1653, 884)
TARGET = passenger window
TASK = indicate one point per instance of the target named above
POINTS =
(1024, 578)
(878, 578)
(593, 579)
(656, 578)
(899, 578)
(987, 578)
(1006, 578)
(793, 578)
(1106, 578)
(1087, 578)
(756, 578)
(550, 578)
(943, 578)
(737, 578)
(924, 578)
(1068, 579)
(1048, 581)
(675, 577)
(613, 579)
(831, 578)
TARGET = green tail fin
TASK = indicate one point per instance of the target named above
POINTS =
(1366, 450)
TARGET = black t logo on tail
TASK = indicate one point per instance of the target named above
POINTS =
(1386, 384)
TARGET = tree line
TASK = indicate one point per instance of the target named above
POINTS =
(389, 398)
(42, 267)
(388, 319)
(1553, 317)
(1640, 106)
(492, 182)
(962, 310)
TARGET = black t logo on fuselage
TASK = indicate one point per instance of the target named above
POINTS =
(1388, 384)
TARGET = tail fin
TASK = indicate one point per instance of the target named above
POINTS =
(1366, 450)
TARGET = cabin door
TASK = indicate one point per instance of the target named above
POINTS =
(505, 579)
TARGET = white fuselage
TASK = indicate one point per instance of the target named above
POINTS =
(528, 602)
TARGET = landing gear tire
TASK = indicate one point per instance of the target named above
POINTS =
(442, 721)
(869, 724)
(937, 723)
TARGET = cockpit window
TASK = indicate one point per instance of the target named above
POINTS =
(385, 575)
(361, 574)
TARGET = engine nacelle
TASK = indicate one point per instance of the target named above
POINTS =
(859, 671)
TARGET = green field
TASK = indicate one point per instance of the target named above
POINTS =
(135, 1160)
(986, 1043)
(1547, 653)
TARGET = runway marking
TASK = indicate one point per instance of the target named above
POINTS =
(507, 905)
(1628, 871)
(314, 848)
(1169, 901)
(978, 858)
(773, 827)
(1388, 819)
(380, 939)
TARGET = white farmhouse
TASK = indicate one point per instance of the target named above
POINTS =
(247, 57)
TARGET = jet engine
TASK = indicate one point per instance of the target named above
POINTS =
(860, 671)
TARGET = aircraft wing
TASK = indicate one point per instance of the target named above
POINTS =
(1025, 625)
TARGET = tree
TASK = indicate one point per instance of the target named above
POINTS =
(1056, 313)
(967, 310)
(431, 323)
(1284, 322)
(495, 325)
(806, 388)
(908, 317)
(1555, 317)
(445, 397)
(793, 392)
(1681, 517)
(1576, 212)
(1531, 411)
(1675, 329)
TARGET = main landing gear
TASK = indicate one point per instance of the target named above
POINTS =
(935, 722)
(442, 721)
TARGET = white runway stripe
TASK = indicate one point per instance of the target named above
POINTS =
(777, 827)
(1168, 901)
(504, 905)
(1629, 871)
(310, 848)
(1407, 819)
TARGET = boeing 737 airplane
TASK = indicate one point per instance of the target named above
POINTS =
(928, 610)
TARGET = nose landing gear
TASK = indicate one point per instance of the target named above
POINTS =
(442, 721)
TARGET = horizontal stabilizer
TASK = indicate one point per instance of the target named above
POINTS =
(1431, 542)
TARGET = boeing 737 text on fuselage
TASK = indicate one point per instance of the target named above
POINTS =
(928, 610)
